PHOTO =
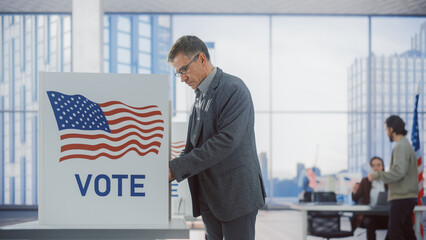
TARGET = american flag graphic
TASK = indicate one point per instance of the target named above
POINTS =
(415, 139)
(92, 130)
(177, 148)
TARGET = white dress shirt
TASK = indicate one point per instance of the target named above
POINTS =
(376, 187)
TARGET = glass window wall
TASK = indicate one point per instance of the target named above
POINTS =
(320, 96)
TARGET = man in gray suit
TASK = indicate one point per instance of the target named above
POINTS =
(220, 157)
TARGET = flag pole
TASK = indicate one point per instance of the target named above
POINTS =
(415, 139)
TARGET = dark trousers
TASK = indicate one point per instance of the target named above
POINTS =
(373, 223)
(242, 228)
(401, 219)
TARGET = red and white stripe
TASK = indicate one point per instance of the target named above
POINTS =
(421, 188)
(137, 129)
(420, 175)
(177, 148)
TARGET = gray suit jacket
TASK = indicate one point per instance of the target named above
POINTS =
(223, 164)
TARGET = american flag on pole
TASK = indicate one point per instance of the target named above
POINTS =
(415, 139)
(111, 129)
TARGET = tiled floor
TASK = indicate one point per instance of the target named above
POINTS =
(283, 225)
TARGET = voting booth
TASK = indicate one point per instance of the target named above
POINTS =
(181, 196)
(104, 149)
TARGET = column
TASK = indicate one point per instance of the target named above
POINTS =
(87, 39)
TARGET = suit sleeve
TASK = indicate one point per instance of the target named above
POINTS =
(234, 117)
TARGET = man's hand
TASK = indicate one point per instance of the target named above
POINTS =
(171, 177)
(370, 177)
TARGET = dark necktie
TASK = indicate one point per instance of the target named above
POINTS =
(196, 116)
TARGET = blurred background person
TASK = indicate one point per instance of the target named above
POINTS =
(307, 182)
(367, 193)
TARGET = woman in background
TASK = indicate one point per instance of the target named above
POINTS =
(367, 193)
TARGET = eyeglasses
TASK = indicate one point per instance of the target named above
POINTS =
(184, 70)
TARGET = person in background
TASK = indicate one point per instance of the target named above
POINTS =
(307, 191)
(367, 193)
(402, 180)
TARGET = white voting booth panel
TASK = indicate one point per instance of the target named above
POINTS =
(181, 196)
(104, 149)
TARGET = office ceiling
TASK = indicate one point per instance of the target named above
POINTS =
(315, 7)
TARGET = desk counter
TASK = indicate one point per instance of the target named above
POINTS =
(176, 229)
(312, 207)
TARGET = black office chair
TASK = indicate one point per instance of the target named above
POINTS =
(327, 224)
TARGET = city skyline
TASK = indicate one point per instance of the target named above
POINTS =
(295, 66)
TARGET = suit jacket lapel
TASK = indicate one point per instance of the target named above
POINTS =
(205, 107)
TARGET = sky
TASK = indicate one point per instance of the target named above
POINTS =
(306, 73)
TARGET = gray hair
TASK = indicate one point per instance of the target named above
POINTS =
(189, 46)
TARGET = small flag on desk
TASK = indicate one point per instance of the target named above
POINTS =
(415, 139)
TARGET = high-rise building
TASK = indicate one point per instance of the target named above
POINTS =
(394, 83)
(300, 170)
(133, 43)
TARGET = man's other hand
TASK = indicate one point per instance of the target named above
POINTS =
(171, 177)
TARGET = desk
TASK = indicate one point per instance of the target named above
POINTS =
(311, 207)
(176, 228)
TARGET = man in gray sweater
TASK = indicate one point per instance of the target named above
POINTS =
(402, 180)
